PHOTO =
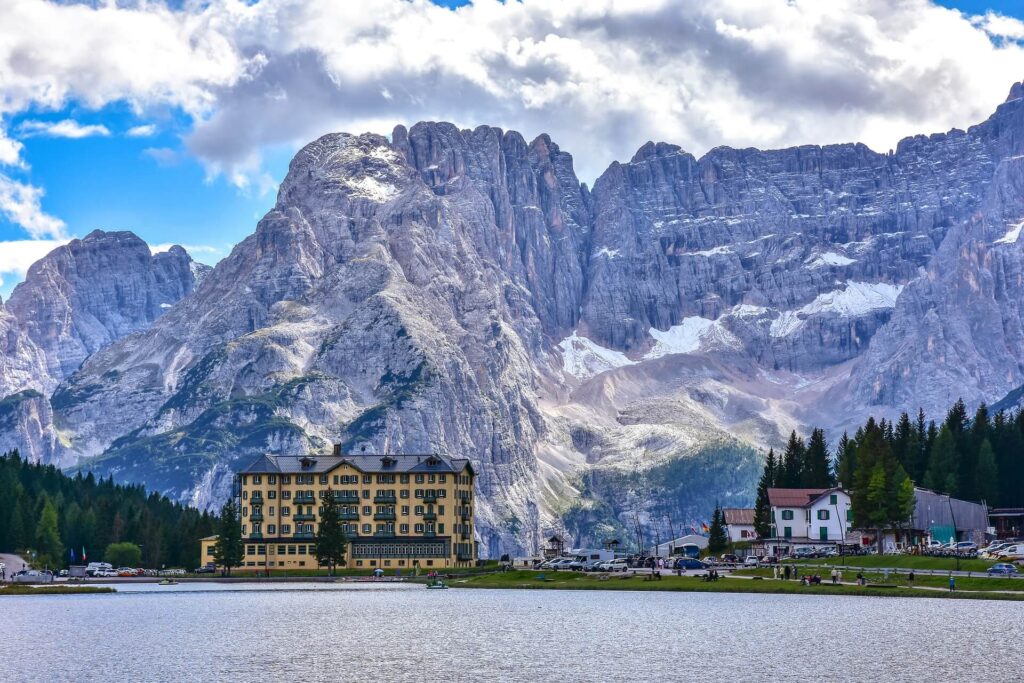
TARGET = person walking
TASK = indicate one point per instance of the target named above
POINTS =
(952, 583)
(860, 578)
(910, 577)
(835, 576)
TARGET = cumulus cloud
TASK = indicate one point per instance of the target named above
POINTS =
(601, 76)
(20, 203)
(67, 128)
(141, 131)
(163, 156)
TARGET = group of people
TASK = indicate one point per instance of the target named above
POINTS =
(712, 575)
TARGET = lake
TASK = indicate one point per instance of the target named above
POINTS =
(336, 632)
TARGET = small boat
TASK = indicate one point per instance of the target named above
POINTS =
(168, 582)
(437, 583)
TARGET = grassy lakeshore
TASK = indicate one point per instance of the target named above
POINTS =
(577, 581)
(902, 562)
(22, 589)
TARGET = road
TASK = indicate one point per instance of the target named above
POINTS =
(13, 562)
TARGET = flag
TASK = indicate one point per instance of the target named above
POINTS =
(704, 527)
(84, 558)
(72, 556)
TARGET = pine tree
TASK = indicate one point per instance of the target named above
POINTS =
(816, 472)
(987, 474)
(941, 474)
(792, 462)
(762, 508)
(846, 461)
(330, 535)
(718, 540)
(229, 551)
(48, 543)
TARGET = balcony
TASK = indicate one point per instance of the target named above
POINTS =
(384, 516)
(464, 556)
(349, 516)
(430, 497)
(257, 535)
(386, 499)
(429, 534)
(256, 517)
(303, 535)
(304, 498)
(430, 515)
(256, 499)
(464, 536)
(304, 518)
(466, 514)
(384, 534)
(347, 498)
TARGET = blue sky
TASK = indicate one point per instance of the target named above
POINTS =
(209, 147)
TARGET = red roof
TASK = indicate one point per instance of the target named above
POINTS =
(794, 498)
(739, 515)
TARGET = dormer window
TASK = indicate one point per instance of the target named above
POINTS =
(307, 463)
(433, 462)
(388, 461)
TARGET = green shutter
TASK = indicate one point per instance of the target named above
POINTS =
(823, 533)
(787, 532)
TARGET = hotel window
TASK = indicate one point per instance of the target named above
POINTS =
(367, 510)
(404, 493)
(442, 493)
(419, 528)
(822, 514)
(286, 478)
(291, 550)
(404, 478)
(833, 499)
(440, 527)
(271, 478)
(286, 495)
(244, 532)
(271, 529)
(285, 511)
(257, 479)
(286, 528)
(281, 550)
(245, 495)
(271, 495)
(404, 528)
(366, 493)
(443, 478)
(250, 550)
(367, 479)
(271, 513)
(367, 529)
(405, 509)
(419, 478)
(257, 527)
(336, 482)
(787, 514)
(440, 510)
(418, 493)
(323, 478)
(261, 550)
(419, 509)
(302, 550)
(245, 512)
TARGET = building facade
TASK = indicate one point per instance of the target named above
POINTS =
(740, 523)
(399, 511)
(808, 517)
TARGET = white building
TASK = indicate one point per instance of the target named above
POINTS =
(740, 522)
(808, 517)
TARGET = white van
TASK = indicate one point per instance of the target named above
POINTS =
(93, 568)
(1013, 552)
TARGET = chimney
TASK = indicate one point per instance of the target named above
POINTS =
(337, 449)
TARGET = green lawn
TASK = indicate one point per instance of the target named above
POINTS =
(903, 561)
(874, 576)
(251, 572)
(578, 581)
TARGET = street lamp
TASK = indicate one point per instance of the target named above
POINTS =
(956, 550)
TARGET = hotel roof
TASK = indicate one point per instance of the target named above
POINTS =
(797, 498)
(320, 464)
(738, 515)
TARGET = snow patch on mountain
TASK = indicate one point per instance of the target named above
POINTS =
(1012, 235)
(584, 359)
(694, 334)
(856, 299)
(830, 258)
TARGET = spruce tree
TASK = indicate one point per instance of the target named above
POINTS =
(941, 474)
(48, 543)
(762, 508)
(816, 472)
(229, 551)
(987, 474)
(718, 540)
(792, 462)
(330, 535)
(846, 462)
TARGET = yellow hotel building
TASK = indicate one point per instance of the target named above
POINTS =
(399, 511)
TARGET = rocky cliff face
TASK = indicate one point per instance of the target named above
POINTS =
(74, 301)
(604, 357)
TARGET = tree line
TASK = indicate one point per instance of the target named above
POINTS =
(979, 459)
(43, 510)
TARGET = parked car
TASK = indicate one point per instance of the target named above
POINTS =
(208, 568)
(1003, 569)
(993, 548)
(729, 558)
(769, 559)
(562, 563)
(617, 565)
(751, 561)
(689, 563)
(966, 546)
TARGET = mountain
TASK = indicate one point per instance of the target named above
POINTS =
(74, 301)
(613, 360)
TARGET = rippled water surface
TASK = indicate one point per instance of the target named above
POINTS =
(320, 632)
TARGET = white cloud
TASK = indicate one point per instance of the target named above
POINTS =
(17, 255)
(20, 203)
(10, 150)
(67, 128)
(601, 76)
(163, 156)
(192, 249)
(141, 131)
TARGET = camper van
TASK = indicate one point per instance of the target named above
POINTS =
(586, 559)
(98, 568)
